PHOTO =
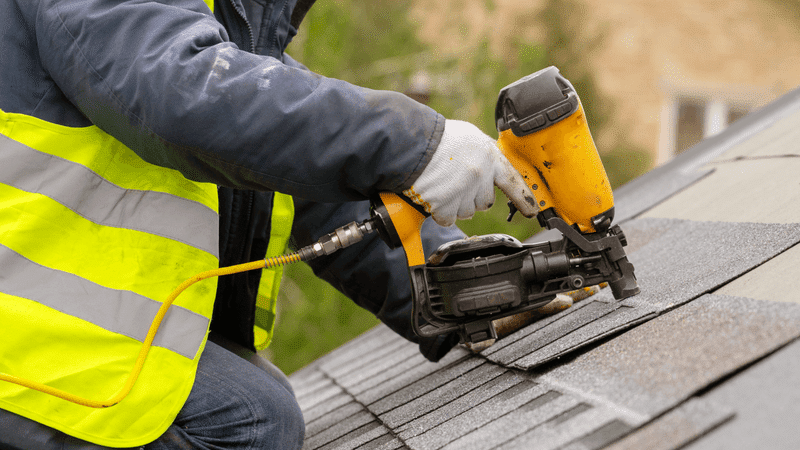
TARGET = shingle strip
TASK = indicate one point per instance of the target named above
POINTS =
(373, 339)
(502, 385)
(424, 385)
(766, 400)
(339, 414)
(338, 430)
(357, 437)
(629, 313)
(323, 408)
(450, 391)
(556, 329)
(661, 363)
(676, 428)
(465, 424)
(378, 366)
(676, 261)
(553, 434)
(509, 426)
(397, 380)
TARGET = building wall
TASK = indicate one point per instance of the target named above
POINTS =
(647, 55)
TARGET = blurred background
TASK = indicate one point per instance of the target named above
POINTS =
(654, 78)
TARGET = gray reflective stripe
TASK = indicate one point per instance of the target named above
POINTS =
(104, 203)
(122, 312)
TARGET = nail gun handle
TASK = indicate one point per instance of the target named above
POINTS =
(399, 222)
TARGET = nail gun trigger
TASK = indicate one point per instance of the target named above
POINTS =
(512, 210)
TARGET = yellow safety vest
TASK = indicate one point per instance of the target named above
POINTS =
(92, 240)
(280, 230)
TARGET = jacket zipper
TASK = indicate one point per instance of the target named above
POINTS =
(242, 16)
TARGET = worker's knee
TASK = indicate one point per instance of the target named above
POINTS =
(235, 405)
(280, 424)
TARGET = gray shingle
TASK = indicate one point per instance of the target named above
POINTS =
(600, 437)
(402, 368)
(661, 363)
(683, 259)
(476, 419)
(629, 313)
(541, 333)
(676, 428)
(357, 437)
(313, 413)
(338, 430)
(305, 377)
(675, 261)
(402, 379)
(332, 418)
(424, 385)
(497, 386)
(378, 367)
(510, 426)
(359, 363)
(553, 434)
(384, 442)
(766, 400)
(323, 393)
(372, 340)
(473, 379)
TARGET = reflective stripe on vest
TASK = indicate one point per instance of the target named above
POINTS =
(92, 240)
(266, 299)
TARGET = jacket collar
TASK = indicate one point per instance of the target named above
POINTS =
(274, 29)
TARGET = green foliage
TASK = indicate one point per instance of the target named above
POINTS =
(345, 38)
(624, 164)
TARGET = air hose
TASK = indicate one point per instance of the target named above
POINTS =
(341, 238)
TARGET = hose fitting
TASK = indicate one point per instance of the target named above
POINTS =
(342, 237)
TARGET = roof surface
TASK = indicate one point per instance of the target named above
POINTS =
(706, 357)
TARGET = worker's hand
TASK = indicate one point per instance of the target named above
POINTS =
(460, 176)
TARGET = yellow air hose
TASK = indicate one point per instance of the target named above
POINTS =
(151, 333)
(342, 237)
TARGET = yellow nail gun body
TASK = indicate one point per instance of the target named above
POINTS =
(466, 284)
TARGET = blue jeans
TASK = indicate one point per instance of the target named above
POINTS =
(234, 404)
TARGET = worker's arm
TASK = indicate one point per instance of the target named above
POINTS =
(368, 272)
(161, 78)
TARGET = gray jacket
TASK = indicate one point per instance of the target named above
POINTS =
(217, 99)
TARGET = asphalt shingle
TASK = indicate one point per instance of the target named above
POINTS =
(399, 378)
(676, 261)
(766, 400)
(663, 362)
(676, 428)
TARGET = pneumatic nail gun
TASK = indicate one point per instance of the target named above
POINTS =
(468, 283)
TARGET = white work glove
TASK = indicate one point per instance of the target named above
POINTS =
(462, 173)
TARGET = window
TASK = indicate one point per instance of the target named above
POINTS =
(689, 129)
(693, 112)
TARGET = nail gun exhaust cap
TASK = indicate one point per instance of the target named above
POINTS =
(496, 243)
(535, 102)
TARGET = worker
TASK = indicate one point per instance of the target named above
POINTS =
(145, 141)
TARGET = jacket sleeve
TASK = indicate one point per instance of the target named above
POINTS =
(368, 272)
(163, 78)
